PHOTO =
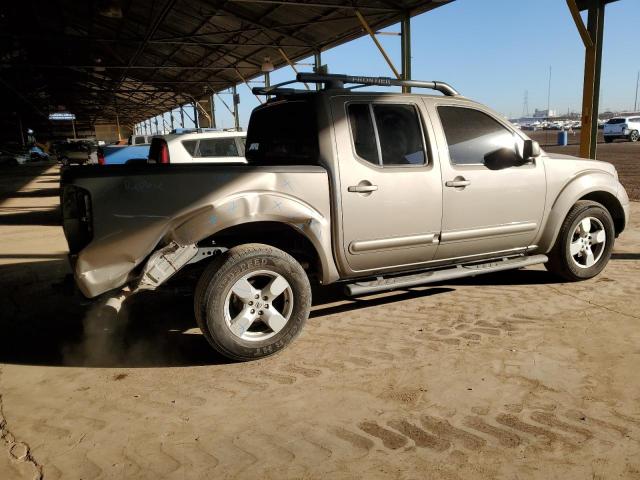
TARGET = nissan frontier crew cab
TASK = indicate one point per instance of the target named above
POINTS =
(374, 190)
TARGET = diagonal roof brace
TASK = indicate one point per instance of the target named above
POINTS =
(584, 33)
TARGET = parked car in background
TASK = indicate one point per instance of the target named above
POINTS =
(135, 150)
(13, 153)
(200, 147)
(77, 152)
(378, 191)
(622, 127)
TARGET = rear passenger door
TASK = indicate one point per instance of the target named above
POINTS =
(491, 202)
(390, 192)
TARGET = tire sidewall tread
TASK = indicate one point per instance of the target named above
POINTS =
(220, 276)
(560, 260)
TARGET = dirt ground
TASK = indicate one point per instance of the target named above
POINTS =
(510, 376)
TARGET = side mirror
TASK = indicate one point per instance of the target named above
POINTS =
(530, 149)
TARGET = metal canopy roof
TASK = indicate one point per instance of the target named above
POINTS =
(143, 57)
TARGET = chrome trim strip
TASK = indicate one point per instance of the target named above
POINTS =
(478, 233)
(395, 242)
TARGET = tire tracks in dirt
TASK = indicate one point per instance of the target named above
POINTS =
(472, 432)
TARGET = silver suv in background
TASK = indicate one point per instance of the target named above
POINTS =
(198, 147)
(622, 127)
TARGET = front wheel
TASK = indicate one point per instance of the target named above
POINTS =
(252, 301)
(584, 243)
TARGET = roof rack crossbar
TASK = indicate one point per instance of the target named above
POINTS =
(336, 80)
(273, 89)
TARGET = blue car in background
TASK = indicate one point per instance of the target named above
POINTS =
(137, 150)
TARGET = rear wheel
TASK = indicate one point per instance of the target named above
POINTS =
(634, 136)
(608, 139)
(252, 301)
(584, 243)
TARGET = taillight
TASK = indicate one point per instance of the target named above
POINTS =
(100, 157)
(77, 223)
(164, 153)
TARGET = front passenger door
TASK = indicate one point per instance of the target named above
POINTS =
(491, 201)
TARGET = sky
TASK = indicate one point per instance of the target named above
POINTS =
(493, 51)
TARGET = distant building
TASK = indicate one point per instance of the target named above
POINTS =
(545, 113)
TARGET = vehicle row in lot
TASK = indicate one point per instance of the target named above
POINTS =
(375, 190)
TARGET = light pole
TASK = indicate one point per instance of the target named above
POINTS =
(635, 105)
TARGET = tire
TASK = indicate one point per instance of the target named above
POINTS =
(573, 236)
(65, 162)
(608, 139)
(236, 323)
(634, 136)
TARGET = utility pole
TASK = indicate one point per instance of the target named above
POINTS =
(635, 105)
(549, 95)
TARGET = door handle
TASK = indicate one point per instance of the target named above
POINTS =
(363, 188)
(458, 182)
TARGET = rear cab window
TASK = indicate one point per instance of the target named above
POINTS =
(283, 133)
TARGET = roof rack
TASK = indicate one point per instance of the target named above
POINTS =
(337, 81)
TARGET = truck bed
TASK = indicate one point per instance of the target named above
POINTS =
(114, 217)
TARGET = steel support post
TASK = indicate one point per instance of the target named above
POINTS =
(118, 126)
(592, 37)
(267, 82)
(213, 112)
(195, 115)
(181, 116)
(405, 38)
(317, 64)
(155, 119)
(236, 114)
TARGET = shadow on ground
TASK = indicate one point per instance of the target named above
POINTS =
(48, 217)
(46, 322)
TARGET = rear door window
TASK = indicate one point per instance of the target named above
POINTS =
(401, 141)
(387, 134)
(363, 133)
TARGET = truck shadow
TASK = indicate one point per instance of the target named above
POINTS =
(45, 322)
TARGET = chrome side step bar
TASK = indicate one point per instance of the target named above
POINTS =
(433, 276)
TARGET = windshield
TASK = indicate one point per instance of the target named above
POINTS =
(283, 133)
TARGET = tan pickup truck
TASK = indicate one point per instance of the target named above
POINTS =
(375, 190)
